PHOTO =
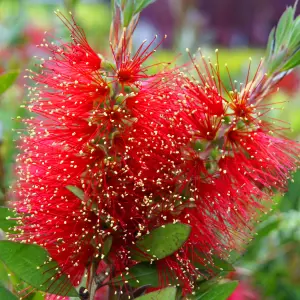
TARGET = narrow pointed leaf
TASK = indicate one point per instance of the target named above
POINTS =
(293, 62)
(128, 12)
(270, 45)
(142, 4)
(164, 294)
(5, 222)
(161, 242)
(28, 263)
(295, 36)
(7, 79)
(107, 245)
(76, 191)
(217, 291)
(284, 27)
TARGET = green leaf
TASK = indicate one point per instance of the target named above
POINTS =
(107, 245)
(142, 4)
(5, 222)
(295, 35)
(217, 265)
(293, 62)
(284, 27)
(270, 45)
(28, 262)
(222, 264)
(7, 79)
(161, 242)
(276, 61)
(217, 292)
(164, 294)
(6, 294)
(76, 191)
(128, 12)
(139, 275)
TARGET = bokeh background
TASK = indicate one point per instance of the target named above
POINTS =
(270, 266)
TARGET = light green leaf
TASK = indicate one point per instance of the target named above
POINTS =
(270, 45)
(295, 35)
(76, 191)
(139, 275)
(142, 4)
(217, 292)
(276, 61)
(164, 294)
(284, 28)
(161, 242)
(128, 12)
(293, 62)
(5, 222)
(31, 264)
(7, 79)
(5, 294)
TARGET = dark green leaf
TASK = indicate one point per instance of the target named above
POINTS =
(161, 242)
(139, 275)
(217, 292)
(107, 245)
(5, 294)
(164, 294)
(142, 4)
(5, 215)
(7, 79)
(31, 264)
(217, 265)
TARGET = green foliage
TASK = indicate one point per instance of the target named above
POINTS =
(107, 245)
(167, 293)
(31, 263)
(128, 12)
(142, 4)
(129, 9)
(5, 215)
(6, 294)
(219, 291)
(217, 265)
(76, 191)
(7, 80)
(139, 275)
(282, 52)
(161, 242)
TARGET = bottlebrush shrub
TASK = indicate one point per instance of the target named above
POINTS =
(123, 173)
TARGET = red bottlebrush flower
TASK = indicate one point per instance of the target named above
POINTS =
(171, 149)
(79, 52)
(129, 70)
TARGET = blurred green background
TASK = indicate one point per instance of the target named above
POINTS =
(270, 266)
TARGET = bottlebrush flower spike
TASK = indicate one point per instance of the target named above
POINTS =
(129, 69)
(171, 148)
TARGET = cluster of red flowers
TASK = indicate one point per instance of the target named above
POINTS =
(146, 150)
